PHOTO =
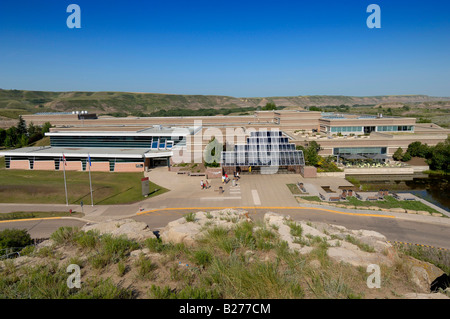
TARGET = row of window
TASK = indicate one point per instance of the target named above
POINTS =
(262, 158)
(59, 161)
(264, 147)
(395, 128)
(117, 141)
(339, 129)
(359, 150)
(387, 128)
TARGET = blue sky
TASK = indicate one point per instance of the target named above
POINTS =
(236, 48)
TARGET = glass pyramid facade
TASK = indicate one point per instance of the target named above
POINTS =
(264, 148)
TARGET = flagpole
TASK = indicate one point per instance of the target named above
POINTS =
(90, 181)
(65, 184)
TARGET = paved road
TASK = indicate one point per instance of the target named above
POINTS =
(395, 229)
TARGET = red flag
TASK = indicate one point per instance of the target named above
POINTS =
(64, 159)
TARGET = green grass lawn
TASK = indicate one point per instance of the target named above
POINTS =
(390, 202)
(27, 186)
(294, 189)
(311, 198)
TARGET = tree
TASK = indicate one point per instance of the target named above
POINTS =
(46, 127)
(418, 149)
(315, 108)
(21, 126)
(310, 153)
(269, 106)
(398, 154)
(406, 157)
(440, 156)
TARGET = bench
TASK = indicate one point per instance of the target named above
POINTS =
(197, 174)
(334, 199)
(183, 172)
(372, 198)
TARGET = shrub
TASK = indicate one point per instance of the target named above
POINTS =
(121, 268)
(64, 235)
(14, 239)
(244, 234)
(201, 257)
(89, 239)
(145, 266)
(155, 245)
(190, 217)
(296, 230)
(117, 247)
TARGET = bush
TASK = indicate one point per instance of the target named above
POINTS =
(190, 217)
(64, 235)
(88, 239)
(15, 239)
(201, 257)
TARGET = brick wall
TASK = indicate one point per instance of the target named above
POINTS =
(214, 172)
(309, 171)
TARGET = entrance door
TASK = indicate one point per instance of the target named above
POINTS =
(369, 129)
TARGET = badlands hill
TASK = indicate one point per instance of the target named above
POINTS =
(14, 102)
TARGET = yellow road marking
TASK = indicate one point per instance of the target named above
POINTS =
(255, 208)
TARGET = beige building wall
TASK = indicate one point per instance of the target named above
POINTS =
(44, 165)
(128, 167)
(99, 166)
(19, 164)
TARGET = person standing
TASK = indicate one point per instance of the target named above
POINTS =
(201, 184)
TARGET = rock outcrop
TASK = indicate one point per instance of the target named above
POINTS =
(129, 227)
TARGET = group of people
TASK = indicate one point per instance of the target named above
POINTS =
(204, 184)
(226, 179)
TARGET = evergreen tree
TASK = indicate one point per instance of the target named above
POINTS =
(21, 127)
(398, 154)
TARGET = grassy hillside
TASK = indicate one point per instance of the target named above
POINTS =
(247, 260)
(16, 102)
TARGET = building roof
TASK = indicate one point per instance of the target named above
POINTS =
(48, 151)
(156, 130)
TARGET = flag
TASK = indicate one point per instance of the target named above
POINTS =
(64, 159)
(89, 159)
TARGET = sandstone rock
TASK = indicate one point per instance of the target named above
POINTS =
(311, 231)
(420, 277)
(129, 227)
(137, 253)
(423, 273)
(436, 214)
(398, 210)
(182, 231)
(351, 254)
(423, 212)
